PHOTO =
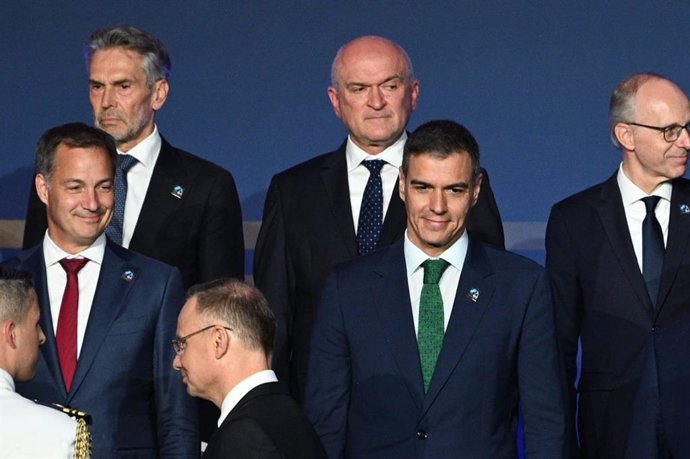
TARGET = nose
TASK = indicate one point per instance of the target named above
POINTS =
(91, 200)
(108, 97)
(176, 363)
(437, 202)
(376, 99)
(684, 138)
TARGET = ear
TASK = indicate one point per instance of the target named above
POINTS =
(477, 188)
(41, 183)
(624, 135)
(7, 333)
(160, 94)
(335, 101)
(221, 342)
(414, 94)
(401, 184)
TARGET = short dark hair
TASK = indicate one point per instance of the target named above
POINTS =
(155, 61)
(74, 135)
(15, 294)
(442, 138)
(242, 307)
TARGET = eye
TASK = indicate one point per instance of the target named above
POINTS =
(357, 89)
(95, 87)
(390, 87)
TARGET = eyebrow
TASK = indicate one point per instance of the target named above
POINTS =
(387, 80)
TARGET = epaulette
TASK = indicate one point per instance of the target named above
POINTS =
(82, 438)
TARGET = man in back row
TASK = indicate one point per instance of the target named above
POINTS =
(343, 204)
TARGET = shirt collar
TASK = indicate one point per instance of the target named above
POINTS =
(392, 155)
(455, 254)
(6, 381)
(53, 254)
(241, 389)
(147, 150)
(631, 193)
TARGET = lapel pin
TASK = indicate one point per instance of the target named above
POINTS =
(177, 191)
(473, 295)
(684, 209)
(127, 276)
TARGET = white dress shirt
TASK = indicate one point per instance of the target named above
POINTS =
(88, 279)
(138, 178)
(635, 210)
(358, 175)
(29, 430)
(414, 257)
(241, 389)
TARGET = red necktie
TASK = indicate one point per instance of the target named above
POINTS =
(67, 321)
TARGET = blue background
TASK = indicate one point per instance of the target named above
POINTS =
(530, 79)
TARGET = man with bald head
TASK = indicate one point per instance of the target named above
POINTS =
(345, 203)
(619, 261)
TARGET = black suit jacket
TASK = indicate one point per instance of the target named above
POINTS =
(634, 356)
(307, 228)
(200, 233)
(265, 424)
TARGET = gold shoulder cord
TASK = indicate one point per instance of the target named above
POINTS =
(82, 438)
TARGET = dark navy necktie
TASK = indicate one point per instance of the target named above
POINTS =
(652, 248)
(114, 229)
(371, 212)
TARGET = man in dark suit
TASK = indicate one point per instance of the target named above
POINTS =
(180, 209)
(224, 340)
(403, 364)
(620, 273)
(312, 212)
(108, 320)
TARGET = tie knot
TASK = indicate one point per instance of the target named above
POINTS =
(433, 270)
(650, 203)
(73, 265)
(374, 165)
(125, 162)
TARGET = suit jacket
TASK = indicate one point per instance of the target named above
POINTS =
(365, 393)
(200, 232)
(634, 356)
(308, 228)
(124, 377)
(265, 424)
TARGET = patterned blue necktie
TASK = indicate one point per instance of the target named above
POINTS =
(371, 212)
(430, 331)
(652, 248)
(114, 229)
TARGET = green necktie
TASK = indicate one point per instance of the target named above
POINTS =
(430, 333)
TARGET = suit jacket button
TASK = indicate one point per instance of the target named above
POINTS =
(422, 435)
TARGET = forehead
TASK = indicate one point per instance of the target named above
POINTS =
(431, 168)
(663, 102)
(116, 61)
(371, 60)
(188, 314)
(74, 160)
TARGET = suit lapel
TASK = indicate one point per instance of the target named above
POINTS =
(395, 221)
(115, 282)
(391, 299)
(678, 235)
(466, 316)
(612, 215)
(334, 176)
(165, 194)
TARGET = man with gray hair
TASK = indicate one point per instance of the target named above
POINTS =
(352, 196)
(28, 429)
(224, 341)
(619, 262)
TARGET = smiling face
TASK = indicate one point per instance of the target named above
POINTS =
(123, 103)
(374, 95)
(78, 196)
(438, 194)
(648, 159)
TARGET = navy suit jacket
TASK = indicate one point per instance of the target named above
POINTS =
(307, 229)
(199, 232)
(634, 356)
(265, 424)
(124, 377)
(365, 393)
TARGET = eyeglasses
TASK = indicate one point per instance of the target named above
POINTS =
(671, 132)
(179, 344)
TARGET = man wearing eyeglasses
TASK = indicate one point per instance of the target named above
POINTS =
(223, 348)
(619, 261)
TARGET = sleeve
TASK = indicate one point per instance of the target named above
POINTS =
(177, 428)
(484, 220)
(221, 244)
(330, 373)
(542, 398)
(272, 277)
(36, 222)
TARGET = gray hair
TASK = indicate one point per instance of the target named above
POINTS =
(155, 60)
(622, 106)
(15, 294)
